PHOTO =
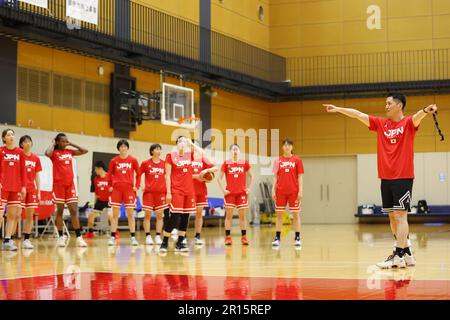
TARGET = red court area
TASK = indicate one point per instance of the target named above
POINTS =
(116, 286)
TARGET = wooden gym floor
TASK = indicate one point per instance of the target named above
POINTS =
(335, 262)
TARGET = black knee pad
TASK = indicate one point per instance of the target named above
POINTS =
(184, 221)
(173, 222)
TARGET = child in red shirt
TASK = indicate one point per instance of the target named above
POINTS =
(33, 168)
(122, 171)
(154, 197)
(236, 192)
(64, 189)
(101, 191)
(287, 189)
(12, 185)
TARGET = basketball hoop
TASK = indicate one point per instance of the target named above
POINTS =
(189, 119)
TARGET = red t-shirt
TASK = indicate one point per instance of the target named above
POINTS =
(155, 175)
(287, 171)
(62, 166)
(181, 176)
(32, 167)
(101, 187)
(12, 169)
(395, 144)
(121, 172)
(235, 173)
(197, 167)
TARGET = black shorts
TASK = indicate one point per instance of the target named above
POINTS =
(396, 195)
(100, 205)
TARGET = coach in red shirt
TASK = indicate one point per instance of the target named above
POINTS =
(395, 145)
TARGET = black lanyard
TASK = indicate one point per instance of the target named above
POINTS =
(437, 126)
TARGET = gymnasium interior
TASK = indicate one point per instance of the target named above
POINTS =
(257, 71)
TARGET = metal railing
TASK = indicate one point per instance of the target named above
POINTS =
(158, 30)
(383, 67)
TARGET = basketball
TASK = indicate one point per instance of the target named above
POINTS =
(208, 177)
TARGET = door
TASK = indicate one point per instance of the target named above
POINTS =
(329, 194)
(313, 204)
(340, 191)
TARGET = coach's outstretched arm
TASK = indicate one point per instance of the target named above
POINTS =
(421, 114)
(352, 113)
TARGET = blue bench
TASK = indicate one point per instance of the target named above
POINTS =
(436, 214)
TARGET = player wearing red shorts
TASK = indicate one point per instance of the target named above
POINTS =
(31, 201)
(154, 197)
(101, 191)
(236, 191)
(122, 170)
(64, 189)
(180, 192)
(288, 190)
(200, 166)
(12, 185)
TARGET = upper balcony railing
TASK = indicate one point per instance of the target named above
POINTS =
(384, 67)
(148, 27)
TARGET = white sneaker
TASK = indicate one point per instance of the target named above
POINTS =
(199, 242)
(81, 243)
(410, 260)
(298, 242)
(149, 240)
(134, 242)
(393, 261)
(9, 246)
(112, 241)
(26, 244)
(276, 242)
(185, 241)
(62, 241)
(158, 240)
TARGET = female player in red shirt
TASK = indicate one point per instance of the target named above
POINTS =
(101, 190)
(64, 189)
(12, 185)
(200, 166)
(287, 189)
(122, 170)
(31, 201)
(154, 197)
(180, 191)
(236, 191)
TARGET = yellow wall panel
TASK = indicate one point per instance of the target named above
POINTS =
(440, 6)
(356, 9)
(239, 19)
(361, 145)
(68, 64)
(39, 57)
(67, 120)
(417, 28)
(326, 126)
(332, 146)
(425, 144)
(97, 124)
(39, 114)
(185, 9)
(402, 8)
(310, 107)
(357, 32)
(441, 26)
